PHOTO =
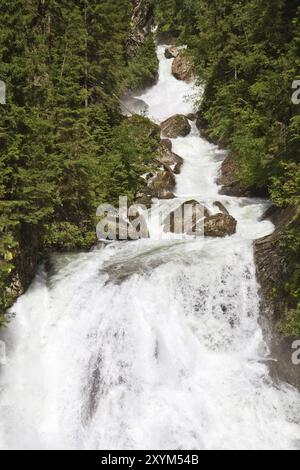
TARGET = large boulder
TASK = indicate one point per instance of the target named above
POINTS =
(171, 52)
(229, 179)
(219, 225)
(167, 158)
(192, 117)
(162, 184)
(186, 219)
(176, 126)
(182, 67)
(166, 144)
(144, 198)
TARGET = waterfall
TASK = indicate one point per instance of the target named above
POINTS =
(152, 344)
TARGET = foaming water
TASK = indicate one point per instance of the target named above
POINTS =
(169, 96)
(150, 344)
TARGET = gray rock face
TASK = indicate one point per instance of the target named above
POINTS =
(162, 184)
(230, 182)
(176, 126)
(144, 198)
(219, 225)
(167, 157)
(171, 52)
(141, 21)
(192, 117)
(273, 268)
(166, 144)
(182, 67)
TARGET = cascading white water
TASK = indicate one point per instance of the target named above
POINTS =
(150, 344)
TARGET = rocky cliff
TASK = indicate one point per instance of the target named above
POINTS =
(141, 22)
(273, 270)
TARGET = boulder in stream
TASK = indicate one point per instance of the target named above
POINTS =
(162, 184)
(219, 225)
(166, 144)
(182, 67)
(144, 198)
(192, 117)
(176, 126)
(168, 158)
(229, 179)
(171, 52)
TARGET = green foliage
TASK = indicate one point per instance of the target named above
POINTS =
(130, 155)
(64, 64)
(291, 325)
(142, 69)
(286, 187)
(166, 13)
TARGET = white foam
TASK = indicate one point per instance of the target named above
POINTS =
(150, 344)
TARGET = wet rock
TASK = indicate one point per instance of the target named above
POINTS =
(171, 52)
(166, 144)
(221, 207)
(270, 213)
(148, 176)
(140, 25)
(182, 67)
(230, 181)
(167, 195)
(167, 158)
(272, 265)
(144, 198)
(162, 184)
(15, 288)
(192, 117)
(176, 126)
(219, 225)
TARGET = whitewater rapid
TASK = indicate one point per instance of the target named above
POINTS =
(153, 344)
